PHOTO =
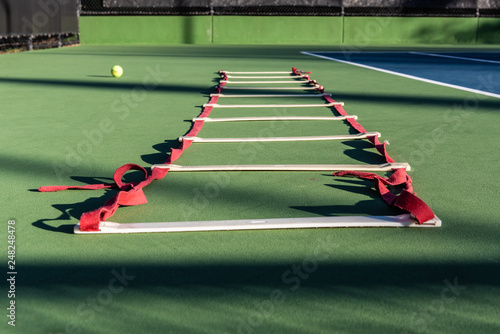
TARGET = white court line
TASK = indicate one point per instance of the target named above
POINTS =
(476, 91)
(455, 57)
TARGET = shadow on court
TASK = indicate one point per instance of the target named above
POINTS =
(483, 103)
(486, 104)
(71, 211)
(163, 149)
(185, 277)
(174, 87)
(362, 151)
(374, 206)
(220, 51)
(314, 296)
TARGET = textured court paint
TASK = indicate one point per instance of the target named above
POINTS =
(277, 30)
(409, 30)
(359, 31)
(146, 30)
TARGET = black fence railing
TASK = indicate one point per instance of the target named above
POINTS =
(34, 24)
(429, 8)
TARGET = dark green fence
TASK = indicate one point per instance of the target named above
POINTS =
(31, 24)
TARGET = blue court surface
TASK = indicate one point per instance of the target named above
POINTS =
(477, 72)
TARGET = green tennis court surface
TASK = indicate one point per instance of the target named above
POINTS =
(66, 121)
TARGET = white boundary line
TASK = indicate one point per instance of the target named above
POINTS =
(357, 52)
(454, 57)
(476, 91)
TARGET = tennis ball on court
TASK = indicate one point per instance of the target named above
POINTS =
(117, 71)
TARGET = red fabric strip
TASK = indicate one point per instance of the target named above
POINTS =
(381, 147)
(411, 203)
(195, 129)
(398, 177)
(86, 187)
(296, 71)
(406, 200)
(117, 176)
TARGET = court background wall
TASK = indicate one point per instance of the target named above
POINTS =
(291, 30)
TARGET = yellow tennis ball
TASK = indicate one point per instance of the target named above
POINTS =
(117, 71)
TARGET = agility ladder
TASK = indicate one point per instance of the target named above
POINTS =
(419, 214)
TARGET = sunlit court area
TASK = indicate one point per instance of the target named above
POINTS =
(250, 167)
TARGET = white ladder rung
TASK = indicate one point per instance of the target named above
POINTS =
(271, 72)
(275, 118)
(275, 88)
(215, 105)
(268, 81)
(279, 139)
(266, 77)
(386, 167)
(270, 95)
(404, 220)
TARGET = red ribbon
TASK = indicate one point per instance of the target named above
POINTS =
(406, 200)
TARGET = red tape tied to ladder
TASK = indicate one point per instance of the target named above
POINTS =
(132, 193)
(406, 200)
